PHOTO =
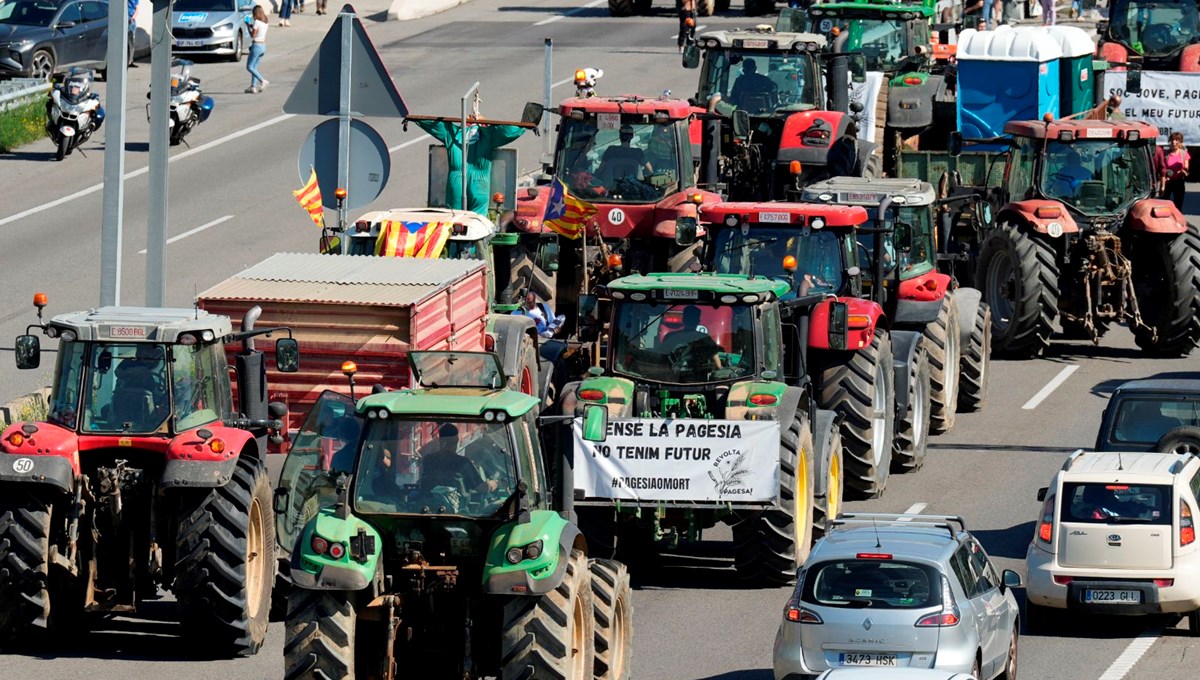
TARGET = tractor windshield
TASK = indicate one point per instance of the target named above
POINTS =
(1096, 176)
(434, 467)
(685, 344)
(761, 252)
(884, 42)
(1156, 28)
(761, 83)
(126, 389)
(915, 254)
(620, 159)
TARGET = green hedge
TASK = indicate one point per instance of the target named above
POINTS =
(23, 124)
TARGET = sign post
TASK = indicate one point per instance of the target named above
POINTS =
(465, 143)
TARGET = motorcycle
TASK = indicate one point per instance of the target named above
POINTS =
(189, 105)
(73, 111)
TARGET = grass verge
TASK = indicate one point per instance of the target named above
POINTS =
(22, 124)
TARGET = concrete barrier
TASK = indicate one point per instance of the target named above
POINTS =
(24, 407)
(404, 10)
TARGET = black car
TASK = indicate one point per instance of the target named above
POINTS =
(1152, 415)
(39, 38)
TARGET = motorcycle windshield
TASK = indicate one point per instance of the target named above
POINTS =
(1096, 177)
(1157, 28)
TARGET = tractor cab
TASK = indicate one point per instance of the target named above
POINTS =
(814, 249)
(1159, 30)
(425, 233)
(893, 37)
(762, 72)
(125, 371)
(1097, 170)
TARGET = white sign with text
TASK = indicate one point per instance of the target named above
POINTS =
(1170, 101)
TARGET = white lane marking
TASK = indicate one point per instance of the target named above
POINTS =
(197, 230)
(698, 29)
(141, 171)
(1050, 387)
(410, 142)
(569, 12)
(914, 509)
(1132, 654)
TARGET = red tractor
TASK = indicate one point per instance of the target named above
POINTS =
(1164, 33)
(143, 474)
(1080, 237)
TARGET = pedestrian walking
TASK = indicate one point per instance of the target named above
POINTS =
(1048, 13)
(285, 12)
(258, 47)
(1176, 167)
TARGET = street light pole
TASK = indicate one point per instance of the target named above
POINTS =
(160, 121)
(111, 230)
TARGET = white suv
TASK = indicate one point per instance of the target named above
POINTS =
(1117, 536)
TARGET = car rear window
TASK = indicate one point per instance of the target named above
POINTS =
(1145, 421)
(1100, 503)
(875, 583)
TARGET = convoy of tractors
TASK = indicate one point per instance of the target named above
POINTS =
(479, 446)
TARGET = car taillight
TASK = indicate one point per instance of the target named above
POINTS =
(938, 620)
(591, 395)
(1046, 531)
(912, 80)
(763, 399)
(874, 556)
(1046, 526)
(1063, 580)
(795, 613)
(815, 137)
(1187, 531)
(1164, 582)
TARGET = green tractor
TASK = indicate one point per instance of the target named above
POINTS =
(712, 421)
(444, 548)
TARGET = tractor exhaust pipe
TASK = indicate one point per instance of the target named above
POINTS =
(839, 83)
(248, 321)
(251, 373)
(710, 153)
(882, 221)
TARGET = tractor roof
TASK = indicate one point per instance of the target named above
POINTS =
(875, 7)
(1082, 129)
(795, 214)
(142, 324)
(869, 192)
(675, 109)
(478, 226)
(443, 402)
(763, 38)
(719, 284)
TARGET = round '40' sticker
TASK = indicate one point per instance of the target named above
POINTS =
(616, 216)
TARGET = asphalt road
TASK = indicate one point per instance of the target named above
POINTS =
(693, 620)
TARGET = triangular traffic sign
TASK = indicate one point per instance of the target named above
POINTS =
(372, 92)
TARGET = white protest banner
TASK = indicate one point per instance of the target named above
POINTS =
(652, 459)
(1170, 101)
(867, 94)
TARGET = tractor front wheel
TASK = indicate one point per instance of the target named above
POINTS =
(975, 366)
(770, 545)
(226, 561)
(912, 431)
(1167, 282)
(860, 387)
(319, 641)
(941, 341)
(1018, 276)
(551, 636)
(612, 598)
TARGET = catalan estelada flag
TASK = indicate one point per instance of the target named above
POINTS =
(310, 199)
(566, 214)
(412, 239)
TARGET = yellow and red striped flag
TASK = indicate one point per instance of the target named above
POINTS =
(412, 239)
(310, 199)
(566, 214)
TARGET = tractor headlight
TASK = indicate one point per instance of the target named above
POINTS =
(514, 555)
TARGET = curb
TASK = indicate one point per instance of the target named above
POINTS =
(405, 10)
(37, 400)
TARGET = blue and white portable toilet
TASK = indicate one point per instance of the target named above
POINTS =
(1005, 75)
(1078, 85)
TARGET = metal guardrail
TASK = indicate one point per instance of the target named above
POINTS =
(18, 91)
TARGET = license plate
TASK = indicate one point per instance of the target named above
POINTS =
(127, 332)
(1113, 596)
(868, 660)
(776, 217)
(756, 44)
(189, 43)
(1097, 133)
(681, 294)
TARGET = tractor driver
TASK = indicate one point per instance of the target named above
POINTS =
(624, 160)
(691, 350)
(139, 396)
(442, 465)
(752, 90)
(1069, 175)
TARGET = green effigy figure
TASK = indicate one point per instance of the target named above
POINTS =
(482, 140)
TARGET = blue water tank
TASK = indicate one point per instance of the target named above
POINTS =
(1005, 75)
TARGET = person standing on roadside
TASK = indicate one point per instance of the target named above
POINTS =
(285, 12)
(687, 10)
(1049, 17)
(258, 47)
(1176, 167)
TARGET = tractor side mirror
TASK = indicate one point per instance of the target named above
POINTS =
(548, 257)
(1133, 80)
(104, 362)
(1041, 494)
(856, 63)
(839, 317)
(28, 351)
(587, 305)
(287, 355)
(955, 143)
(691, 55)
(533, 113)
(983, 210)
(277, 410)
(741, 124)
(685, 230)
(595, 423)
(856, 107)
(1101, 27)
(903, 238)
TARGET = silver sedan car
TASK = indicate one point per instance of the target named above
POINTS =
(899, 591)
(216, 27)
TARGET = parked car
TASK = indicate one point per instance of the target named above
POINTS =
(216, 27)
(890, 674)
(899, 591)
(1116, 536)
(39, 38)
(1152, 415)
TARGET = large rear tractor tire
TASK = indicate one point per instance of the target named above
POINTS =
(620, 8)
(769, 546)
(24, 563)
(319, 642)
(526, 379)
(827, 506)
(226, 561)
(612, 599)
(1018, 276)
(860, 386)
(975, 366)
(941, 342)
(912, 431)
(1167, 282)
(551, 636)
